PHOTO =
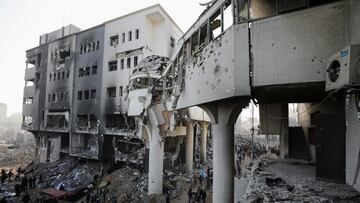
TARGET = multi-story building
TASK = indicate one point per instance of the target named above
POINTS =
(75, 97)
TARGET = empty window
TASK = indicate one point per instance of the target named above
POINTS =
(111, 92)
(29, 83)
(63, 54)
(87, 71)
(93, 94)
(203, 34)
(123, 37)
(66, 95)
(130, 36)
(172, 42)
(114, 40)
(28, 100)
(128, 63)
(79, 95)
(195, 43)
(49, 98)
(135, 61)
(81, 72)
(84, 48)
(215, 25)
(89, 46)
(58, 76)
(112, 65)
(81, 49)
(97, 45)
(121, 91)
(228, 16)
(67, 74)
(243, 10)
(63, 75)
(86, 94)
(55, 97)
(122, 63)
(93, 44)
(50, 77)
(94, 70)
(137, 33)
(54, 76)
(262, 8)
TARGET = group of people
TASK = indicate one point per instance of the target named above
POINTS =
(5, 176)
(26, 183)
(202, 181)
(198, 196)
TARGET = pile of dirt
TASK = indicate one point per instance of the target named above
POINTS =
(127, 184)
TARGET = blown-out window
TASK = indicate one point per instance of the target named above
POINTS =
(262, 8)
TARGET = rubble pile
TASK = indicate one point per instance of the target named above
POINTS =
(293, 181)
(127, 184)
(77, 179)
(175, 181)
(67, 174)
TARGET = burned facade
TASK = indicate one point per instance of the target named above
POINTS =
(76, 84)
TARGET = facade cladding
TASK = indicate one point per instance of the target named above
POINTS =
(76, 82)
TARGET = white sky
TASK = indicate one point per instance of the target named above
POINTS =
(23, 21)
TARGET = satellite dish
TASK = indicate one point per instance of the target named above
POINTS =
(208, 3)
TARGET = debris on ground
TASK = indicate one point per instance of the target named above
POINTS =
(293, 181)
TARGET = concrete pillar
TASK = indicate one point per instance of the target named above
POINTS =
(156, 162)
(284, 131)
(203, 145)
(223, 163)
(189, 146)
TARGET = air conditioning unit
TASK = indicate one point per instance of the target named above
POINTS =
(343, 69)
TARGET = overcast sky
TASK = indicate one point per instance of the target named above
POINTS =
(23, 21)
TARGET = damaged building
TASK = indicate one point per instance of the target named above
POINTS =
(120, 92)
(76, 84)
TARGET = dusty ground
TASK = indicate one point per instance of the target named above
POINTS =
(14, 157)
(293, 181)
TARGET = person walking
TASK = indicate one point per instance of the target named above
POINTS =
(190, 194)
(10, 175)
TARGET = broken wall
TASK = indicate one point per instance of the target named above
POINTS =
(223, 63)
(294, 48)
(119, 52)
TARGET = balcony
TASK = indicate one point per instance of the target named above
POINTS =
(30, 73)
(27, 109)
(29, 91)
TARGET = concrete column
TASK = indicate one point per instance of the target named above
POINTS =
(189, 146)
(156, 162)
(284, 131)
(223, 181)
(204, 133)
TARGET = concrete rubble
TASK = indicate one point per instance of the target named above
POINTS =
(273, 180)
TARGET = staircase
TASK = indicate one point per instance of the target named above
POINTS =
(298, 148)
